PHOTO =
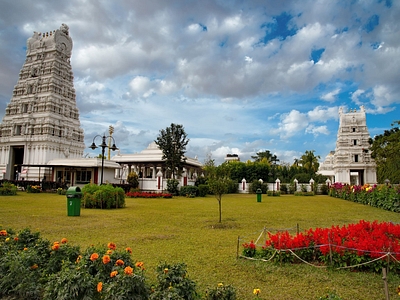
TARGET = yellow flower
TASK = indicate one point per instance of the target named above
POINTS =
(165, 270)
(220, 284)
(7, 239)
(109, 252)
(99, 287)
(256, 292)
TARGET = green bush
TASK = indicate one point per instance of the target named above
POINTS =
(203, 190)
(274, 193)
(189, 191)
(8, 189)
(173, 283)
(283, 188)
(133, 179)
(256, 184)
(103, 196)
(172, 186)
(232, 187)
(221, 292)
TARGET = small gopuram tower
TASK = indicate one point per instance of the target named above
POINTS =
(41, 121)
(351, 161)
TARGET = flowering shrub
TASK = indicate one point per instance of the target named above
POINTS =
(381, 196)
(33, 189)
(221, 292)
(351, 245)
(148, 195)
(34, 268)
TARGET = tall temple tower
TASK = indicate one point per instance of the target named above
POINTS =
(351, 161)
(41, 121)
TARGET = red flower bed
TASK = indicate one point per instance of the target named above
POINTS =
(148, 195)
(348, 245)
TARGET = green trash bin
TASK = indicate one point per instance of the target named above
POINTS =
(74, 196)
(258, 192)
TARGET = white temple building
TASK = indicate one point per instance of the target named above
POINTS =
(41, 137)
(351, 161)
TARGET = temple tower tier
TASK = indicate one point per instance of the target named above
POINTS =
(41, 122)
(351, 162)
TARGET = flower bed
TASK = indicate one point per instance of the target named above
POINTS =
(148, 195)
(381, 196)
(34, 268)
(366, 246)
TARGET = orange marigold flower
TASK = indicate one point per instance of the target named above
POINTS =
(129, 250)
(128, 270)
(111, 246)
(25, 249)
(113, 274)
(106, 259)
(78, 259)
(35, 266)
(64, 241)
(140, 265)
(94, 256)
(55, 247)
(99, 287)
(119, 262)
(16, 239)
(3, 232)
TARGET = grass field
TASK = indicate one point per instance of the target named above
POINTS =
(187, 230)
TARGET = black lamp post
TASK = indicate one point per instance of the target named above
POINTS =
(103, 147)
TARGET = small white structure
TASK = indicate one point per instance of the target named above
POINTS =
(150, 167)
(351, 161)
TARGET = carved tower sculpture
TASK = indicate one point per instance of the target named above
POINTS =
(351, 162)
(41, 121)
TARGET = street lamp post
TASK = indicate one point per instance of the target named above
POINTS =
(103, 147)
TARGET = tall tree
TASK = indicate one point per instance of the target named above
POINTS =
(172, 142)
(218, 180)
(262, 155)
(385, 150)
(310, 162)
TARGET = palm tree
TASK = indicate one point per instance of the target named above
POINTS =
(310, 162)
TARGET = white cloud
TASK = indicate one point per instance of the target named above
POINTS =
(331, 96)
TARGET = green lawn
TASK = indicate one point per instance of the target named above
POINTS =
(186, 230)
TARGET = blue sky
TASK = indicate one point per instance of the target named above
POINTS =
(240, 76)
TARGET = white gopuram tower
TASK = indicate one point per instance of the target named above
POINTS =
(41, 121)
(351, 161)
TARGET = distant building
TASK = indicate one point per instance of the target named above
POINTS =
(150, 167)
(351, 161)
(232, 157)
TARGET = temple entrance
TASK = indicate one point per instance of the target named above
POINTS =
(357, 177)
(17, 159)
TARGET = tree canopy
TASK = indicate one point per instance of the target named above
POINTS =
(385, 149)
(172, 142)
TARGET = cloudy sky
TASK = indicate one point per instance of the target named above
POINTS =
(240, 76)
